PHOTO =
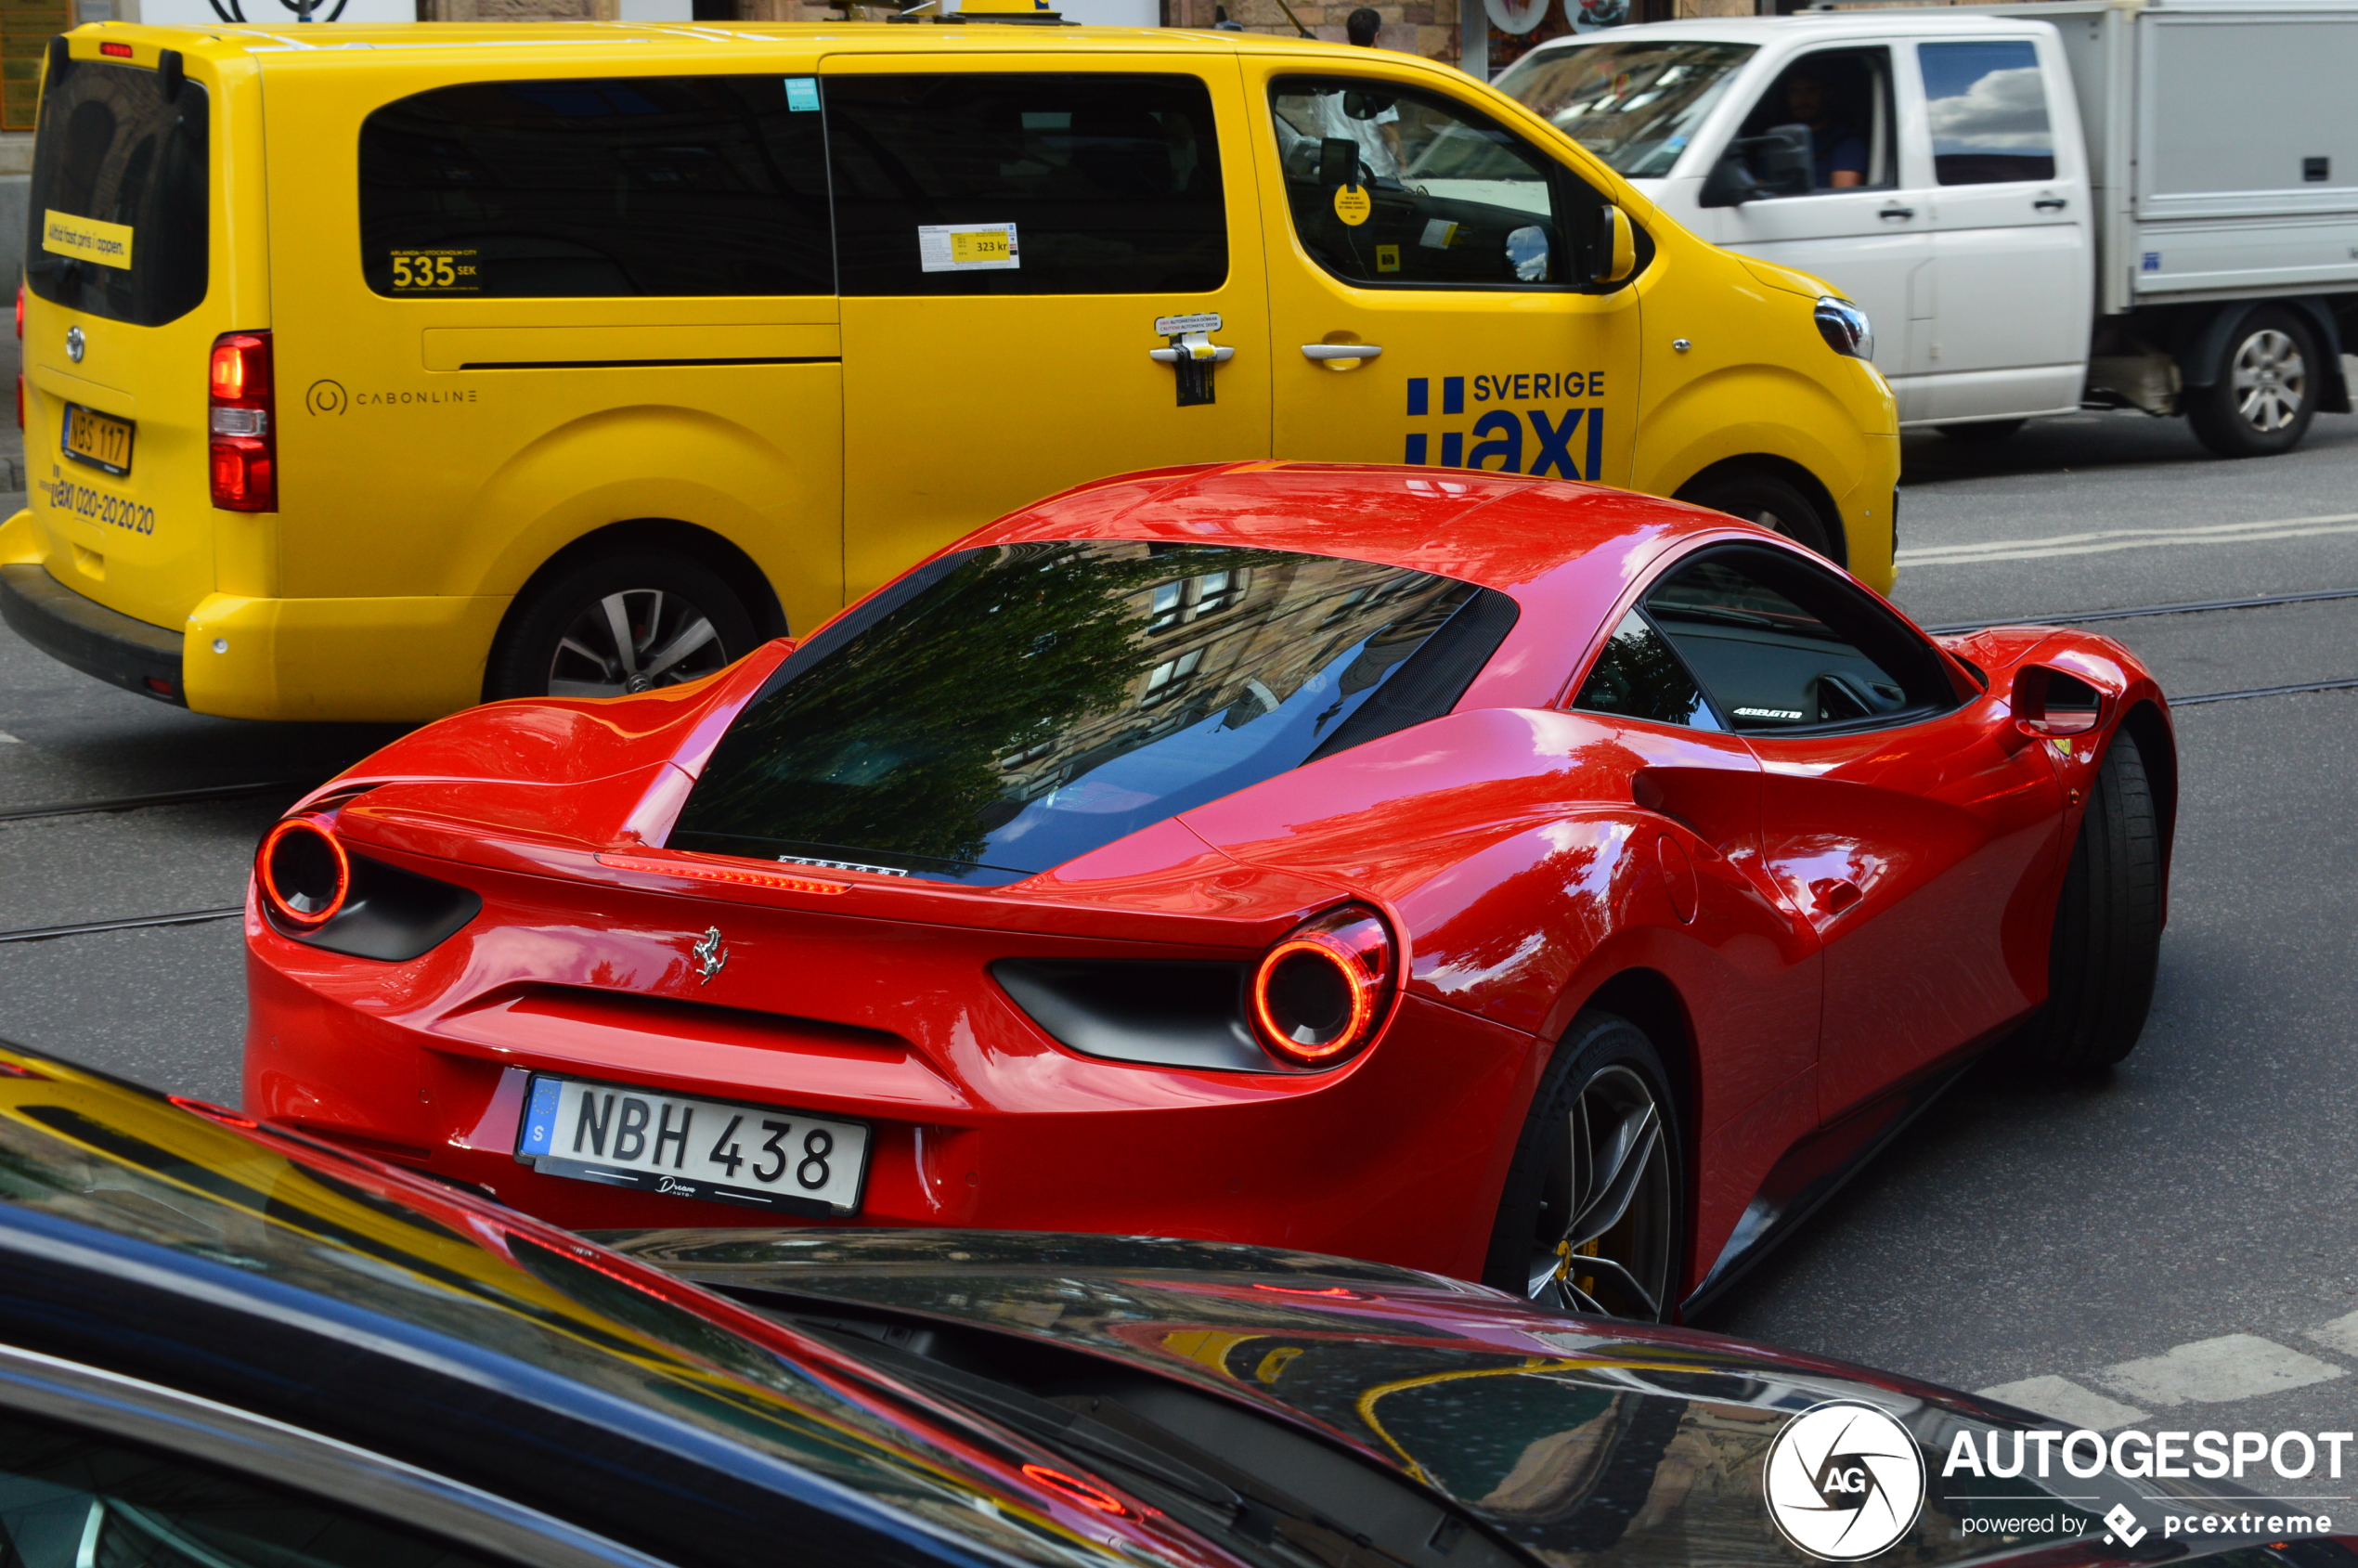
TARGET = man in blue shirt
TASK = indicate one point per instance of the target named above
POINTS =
(1841, 153)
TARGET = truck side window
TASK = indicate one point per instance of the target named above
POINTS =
(1390, 187)
(1015, 184)
(1987, 105)
(627, 185)
(1843, 99)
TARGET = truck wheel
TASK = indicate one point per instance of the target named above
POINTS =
(1590, 1220)
(1986, 432)
(2263, 392)
(619, 624)
(1774, 504)
(2107, 944)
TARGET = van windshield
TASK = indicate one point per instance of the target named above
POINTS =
(120, 194)
(1004, 710)
(1634, 104)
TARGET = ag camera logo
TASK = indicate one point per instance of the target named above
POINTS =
(1844, 1481)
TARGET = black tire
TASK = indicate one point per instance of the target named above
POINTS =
(1776, 504)
(2107, 946)
(559, 640)
(1984, 433)
(2264, 391)
(1555, 1192)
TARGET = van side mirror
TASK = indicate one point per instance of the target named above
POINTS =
(1730, 184)
(1338, 163)
(2050, 703)
(1616, 246)
(1784, 156)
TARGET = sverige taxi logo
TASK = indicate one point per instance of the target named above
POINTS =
(1844, 1481)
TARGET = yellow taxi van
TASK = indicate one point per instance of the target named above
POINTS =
(373, 371)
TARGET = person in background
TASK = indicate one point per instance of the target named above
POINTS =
(1842, 151)
(1379, 138)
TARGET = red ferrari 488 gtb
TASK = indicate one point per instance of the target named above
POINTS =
(1521, 880)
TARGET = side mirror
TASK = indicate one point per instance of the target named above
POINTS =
(1527, 254)
(1617, 247)
(1338, 162)
(1730, 184)
(2051, 703)
(1787, 159)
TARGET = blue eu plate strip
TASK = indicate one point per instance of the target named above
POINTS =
(540, 1117)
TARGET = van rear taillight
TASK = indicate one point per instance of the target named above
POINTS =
(115, 51)
(19, 310)
(245, 441)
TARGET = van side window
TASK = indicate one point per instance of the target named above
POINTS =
(1016, 184)
(1839, 101)
(1988, 104)
(1391, 186)
(119, 198)
(591, 188)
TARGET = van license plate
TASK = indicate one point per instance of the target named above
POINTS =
(100, 440)
(784, 1160)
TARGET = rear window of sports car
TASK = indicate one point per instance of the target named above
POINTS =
(1006, 709)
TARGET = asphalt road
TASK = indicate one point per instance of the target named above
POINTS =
(2173, 1244)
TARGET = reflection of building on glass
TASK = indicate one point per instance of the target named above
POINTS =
(1237, 644)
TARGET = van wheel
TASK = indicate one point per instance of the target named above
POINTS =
(2263, 392)
(615, 625)
(1590, 1220)
(1773, 503)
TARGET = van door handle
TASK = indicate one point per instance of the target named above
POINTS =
(2050, 204)
(1340, 350)
(1194, 345)
(1897, 212)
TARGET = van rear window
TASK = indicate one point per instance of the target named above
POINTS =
(121, 193)
(594, 188)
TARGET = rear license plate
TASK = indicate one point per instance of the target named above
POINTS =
(100, 440)
(759, 1155)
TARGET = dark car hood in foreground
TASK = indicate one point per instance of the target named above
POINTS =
(1571, 1436)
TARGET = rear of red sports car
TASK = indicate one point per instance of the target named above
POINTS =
(813, 939)
(1209, 854)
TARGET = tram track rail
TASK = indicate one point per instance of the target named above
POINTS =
(143, 802)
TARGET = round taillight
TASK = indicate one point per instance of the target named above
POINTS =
(303, 871)
(1319, 995)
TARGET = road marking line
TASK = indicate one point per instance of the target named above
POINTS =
(2341, 1333)
(8, 739)
(2214, 1371)
(2067, 1402)
(2109, 539)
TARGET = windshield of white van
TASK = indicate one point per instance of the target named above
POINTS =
(1633, 104)
(120, 193)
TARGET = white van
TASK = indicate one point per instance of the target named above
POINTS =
(2041, 207)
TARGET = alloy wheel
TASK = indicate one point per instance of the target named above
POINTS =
(2270, 380)
(634, 640)
(1602, 1243)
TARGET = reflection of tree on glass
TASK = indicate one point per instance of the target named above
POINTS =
(1032, 703)
(1633, 104)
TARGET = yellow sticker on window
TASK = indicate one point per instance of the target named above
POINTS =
(108, 244)
(967, 247)
(443, 272)
(1386, 258)
(1353, 204)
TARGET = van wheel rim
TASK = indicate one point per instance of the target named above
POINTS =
(634, 640)
(2271, 381)
(1602, 1243)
